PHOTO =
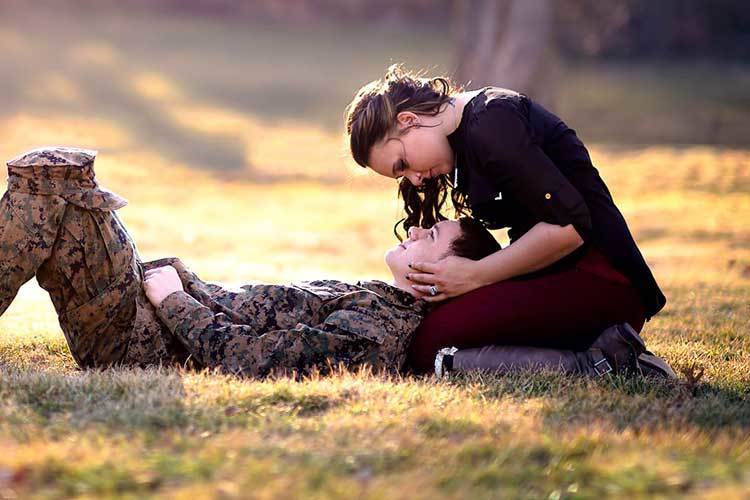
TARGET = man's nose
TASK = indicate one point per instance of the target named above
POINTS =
(415, 232)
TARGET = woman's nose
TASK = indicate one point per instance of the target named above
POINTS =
(416, 179)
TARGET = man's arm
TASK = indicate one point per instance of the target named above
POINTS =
(360, 326)
(217, 342)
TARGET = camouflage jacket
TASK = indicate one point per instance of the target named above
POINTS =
(260, 328)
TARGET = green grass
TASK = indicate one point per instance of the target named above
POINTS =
(156, 431)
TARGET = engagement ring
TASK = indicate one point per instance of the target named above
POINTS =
(433, 290)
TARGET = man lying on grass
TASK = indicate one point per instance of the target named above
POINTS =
(57, 223)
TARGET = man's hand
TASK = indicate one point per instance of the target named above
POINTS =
(160, 282)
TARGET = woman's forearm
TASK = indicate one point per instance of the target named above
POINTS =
(539, 247)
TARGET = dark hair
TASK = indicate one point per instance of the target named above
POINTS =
(371, 115)
(474, 242)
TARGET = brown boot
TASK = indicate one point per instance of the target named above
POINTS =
(652, 365)
(610, 343)
(616, 350)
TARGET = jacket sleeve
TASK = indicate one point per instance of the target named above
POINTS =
(217, 342)
(519, 168)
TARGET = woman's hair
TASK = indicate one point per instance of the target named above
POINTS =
(371, 115)
(474, 242)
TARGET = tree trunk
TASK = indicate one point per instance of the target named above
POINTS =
(507, 43)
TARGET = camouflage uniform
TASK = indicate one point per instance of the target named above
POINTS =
(261, 328)
(57, 223)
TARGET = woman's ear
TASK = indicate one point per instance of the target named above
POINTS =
(406, 119)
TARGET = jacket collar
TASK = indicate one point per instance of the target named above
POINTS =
(396, 296)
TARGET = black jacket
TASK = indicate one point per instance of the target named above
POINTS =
(518, 164)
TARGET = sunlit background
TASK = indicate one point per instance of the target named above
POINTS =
(222, 122)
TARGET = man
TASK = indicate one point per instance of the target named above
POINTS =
(57, 223)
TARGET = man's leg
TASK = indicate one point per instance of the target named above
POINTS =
(57, 222)
(28, 228)
(94, 278)
(41, 184)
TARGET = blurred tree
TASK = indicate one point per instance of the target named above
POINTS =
(507, 43)
(581, 28)
(519, 43)
(647, 29)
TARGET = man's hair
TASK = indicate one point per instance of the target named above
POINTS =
(474, 242)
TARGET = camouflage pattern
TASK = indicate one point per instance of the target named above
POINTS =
(28, 228)
(59, 224)
(261, 328)
(94, 278)
(61, 171)
(41, 183)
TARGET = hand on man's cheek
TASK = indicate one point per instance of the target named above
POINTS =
(159, 282)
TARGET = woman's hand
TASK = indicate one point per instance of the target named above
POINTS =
(451, 276)
(160, 282)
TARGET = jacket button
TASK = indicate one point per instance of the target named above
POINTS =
(548, 196)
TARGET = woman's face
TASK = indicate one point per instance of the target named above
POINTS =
(419, 153)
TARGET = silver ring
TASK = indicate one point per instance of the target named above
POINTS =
(433, 290)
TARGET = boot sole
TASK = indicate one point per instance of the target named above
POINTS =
(653, 365)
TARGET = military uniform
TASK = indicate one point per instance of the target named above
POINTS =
(58, 223)
(261, 328)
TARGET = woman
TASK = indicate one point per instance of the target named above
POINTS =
(572, 268)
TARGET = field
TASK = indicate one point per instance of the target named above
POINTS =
(245, 178)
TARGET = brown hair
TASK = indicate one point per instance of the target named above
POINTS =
(371, 115)
(474, 242)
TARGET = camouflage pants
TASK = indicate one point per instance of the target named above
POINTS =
(94, 278)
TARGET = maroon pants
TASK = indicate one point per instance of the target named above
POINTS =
(564, 310)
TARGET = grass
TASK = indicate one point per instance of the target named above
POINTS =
(294, 209)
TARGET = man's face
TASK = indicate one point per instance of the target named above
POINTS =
(425, 245)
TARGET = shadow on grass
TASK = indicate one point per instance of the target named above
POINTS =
(149, 400)
(638, 404)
